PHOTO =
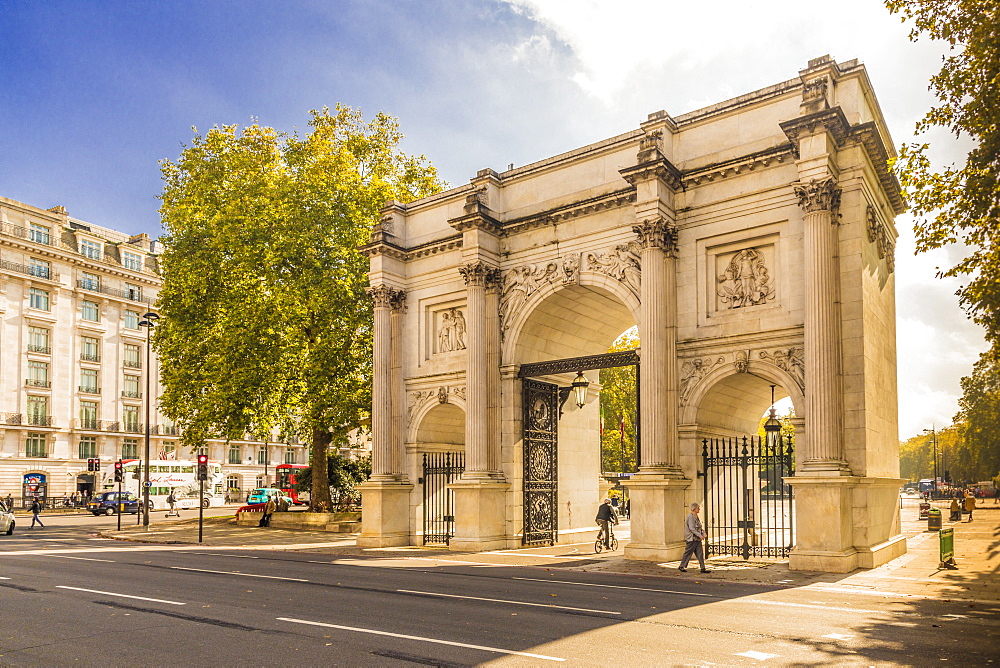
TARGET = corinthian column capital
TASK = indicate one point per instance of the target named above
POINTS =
(479, 273)
(818, 195)
(657, 233)
(383, 296)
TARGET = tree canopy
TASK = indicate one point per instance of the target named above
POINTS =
(618, 409)
(265, 325)
(961, 203)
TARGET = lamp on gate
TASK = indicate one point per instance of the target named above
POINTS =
(579, 387)
(772, 428)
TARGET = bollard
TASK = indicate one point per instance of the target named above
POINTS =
(933, 519)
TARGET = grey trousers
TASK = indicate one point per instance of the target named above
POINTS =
(693, 547)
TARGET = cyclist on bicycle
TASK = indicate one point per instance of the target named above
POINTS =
(606, 517)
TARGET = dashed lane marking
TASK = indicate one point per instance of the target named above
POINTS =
(246, 575)
(591, 584)
(760, 656)
(500, 600)
(111, 593)
(65, 556)
(837, 636)
(755, 601)
(436, 641)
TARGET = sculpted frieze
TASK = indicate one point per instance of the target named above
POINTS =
(790, 360)
(519, 283)
(443, 395)
(885, 245)
(692, 371)
(450, 329)
(620, 263)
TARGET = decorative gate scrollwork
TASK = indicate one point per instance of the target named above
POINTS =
(440, 469)
(541, 420)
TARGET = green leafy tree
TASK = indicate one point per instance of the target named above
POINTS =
(961, 203)
(618, 409)
(979, 415)
(265, 323)
(343, 477)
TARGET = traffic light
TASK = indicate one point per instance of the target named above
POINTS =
(119, 472)
(202, 467)
(93, 464)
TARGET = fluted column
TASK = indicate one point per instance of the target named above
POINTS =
(383, 458)
(819, 199)
(397, 305)
(477, 422)
(493, 369)
(658, 337)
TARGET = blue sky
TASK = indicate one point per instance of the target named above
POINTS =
(96, 93)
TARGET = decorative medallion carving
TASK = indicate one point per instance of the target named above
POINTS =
(746, 281)
(693, 371)
(741, 360)
(790, 360)
(818, 195)
(620, 263)
(416, 399)
(383, 296)
(657, 233)
(442, 395)
(520, 283)
(879, 235)
(450, 330)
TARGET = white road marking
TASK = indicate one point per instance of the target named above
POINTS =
(3, 578)
(511, 553)
(755, 601)
(246, 575)
(863, 592)
(837, 636)
(447, 561)
(216, 554)
(64, 556)
(500, 600)
(437, 641)
(589, 584)
(760, 656)
(111, 593)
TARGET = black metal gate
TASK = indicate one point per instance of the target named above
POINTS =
(541, 420)
(440, 469)
(748, 507)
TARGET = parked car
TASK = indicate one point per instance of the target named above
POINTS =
(261, 494)
(107, 503)
(6, 519)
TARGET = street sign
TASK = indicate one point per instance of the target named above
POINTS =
(148, 483)
(946, 540)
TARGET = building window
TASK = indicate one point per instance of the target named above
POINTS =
(38, 340)
(90, 281)
(262, 455)
(130, 448)
(88, 380)
(291, 456)
(234, 454)
(38, 411)
(35, 446)
(39, 268)
(38, 374)
(131, 356)
(38, 298)
(260, 481)
(133, 292)
(39, 234)
(90, 249)
(90, 311)
(131, 387)
(131, 320)
(130, 415)
(88, 415)
(131, 261)
(90, 349)
(87, 448)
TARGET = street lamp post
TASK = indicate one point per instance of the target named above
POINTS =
(933, 434)
(148, 321)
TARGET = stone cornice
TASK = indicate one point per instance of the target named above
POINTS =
(659, 168)
(434, 247)
(867, 135)
(832, 121)
(383, 248)
(737, 166)
(579, 208)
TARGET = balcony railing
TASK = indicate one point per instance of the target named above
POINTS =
(133, 428)
(28, 270)
(45, 350)
(34, 382)
(12, 418)
(93, 424)
(133, 364)
(165, 430)
(49, 239)
(89, 357)
(130, 295)
(36, 454)
(129, 394)
(40, 421)
(90, 389)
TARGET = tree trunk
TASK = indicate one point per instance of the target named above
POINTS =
(319, 499)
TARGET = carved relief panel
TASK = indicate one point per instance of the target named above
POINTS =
(744, 278)
(448, 327)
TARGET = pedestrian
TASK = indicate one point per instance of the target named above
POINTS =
(10, 502)
(970, 504)
(36, 507)
(693, 535)
(627, 509)
(956, 510)
(606, 516)
(282, 504)
(172, 502)
(269, 508)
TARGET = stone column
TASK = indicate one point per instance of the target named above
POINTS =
(819, 199)
(383, 459)
(398, 391)
(493, 281)
(658, 337)
(477, 422)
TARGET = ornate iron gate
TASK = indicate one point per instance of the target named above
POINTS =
(541, 420)
(440, 469)
(748, 507)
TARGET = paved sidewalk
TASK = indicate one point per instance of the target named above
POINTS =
(914, 575)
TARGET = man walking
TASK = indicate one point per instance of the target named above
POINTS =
(36, 507)
(605, 518)
(970, 504)
(693, 535)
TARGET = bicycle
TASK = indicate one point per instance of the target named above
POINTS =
(599, 543)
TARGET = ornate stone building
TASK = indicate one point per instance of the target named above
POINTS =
(751, 242)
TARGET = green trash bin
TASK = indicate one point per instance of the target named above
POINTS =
(934, 519)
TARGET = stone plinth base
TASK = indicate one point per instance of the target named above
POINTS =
(845, 522)
(658, 514)
(385, 509)
(480, 515)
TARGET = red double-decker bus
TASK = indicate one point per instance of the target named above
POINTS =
(284, 479)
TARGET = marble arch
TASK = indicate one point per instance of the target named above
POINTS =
(739, 237)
